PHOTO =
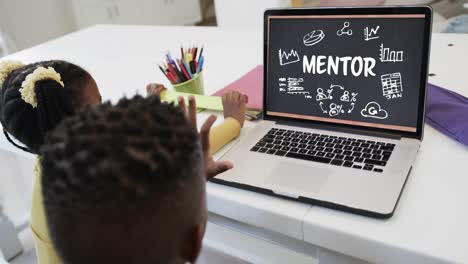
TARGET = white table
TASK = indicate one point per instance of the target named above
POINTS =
(430, 223)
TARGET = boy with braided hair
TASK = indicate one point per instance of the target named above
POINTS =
(126, 183)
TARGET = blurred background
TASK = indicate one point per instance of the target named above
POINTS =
(25, 23)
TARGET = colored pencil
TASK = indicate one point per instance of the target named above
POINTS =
(201, 53)
(173, 71)
(194, 50)
(200, 64)
(189, 58)
(192, 67)
(177, 71)
(185, 68)
(188, 69)
(164, 72)
(171, 77)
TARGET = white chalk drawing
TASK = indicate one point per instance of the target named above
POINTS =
(345, 97)
(293, 86)
(321, 95)
(330, 91)
(371, 33)
(323, 110)
(392, 85)
(342, 31)
(335, 110)
(332, 86)
(387, 55)
(336, 101)
(373, 110)
(305, 93)
(351, 109)
(290, 57)
(314, 37)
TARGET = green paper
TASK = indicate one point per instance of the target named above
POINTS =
(203, 101)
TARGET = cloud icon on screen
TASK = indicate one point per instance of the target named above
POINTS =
(373, 110)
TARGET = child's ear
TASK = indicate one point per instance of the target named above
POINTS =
(193, 244)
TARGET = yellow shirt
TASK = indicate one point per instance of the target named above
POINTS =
(219, 136)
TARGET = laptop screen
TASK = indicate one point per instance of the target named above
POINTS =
(360, 70)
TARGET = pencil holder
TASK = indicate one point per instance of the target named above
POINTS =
(193, 86)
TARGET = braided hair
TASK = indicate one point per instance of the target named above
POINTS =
(29, 125)
(114, 176)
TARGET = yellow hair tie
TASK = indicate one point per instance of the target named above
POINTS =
(7, 67)
(28, 94)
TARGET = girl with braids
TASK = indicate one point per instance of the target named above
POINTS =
(35, 98)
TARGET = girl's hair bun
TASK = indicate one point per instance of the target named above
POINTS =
(28, 87)
(7, 67)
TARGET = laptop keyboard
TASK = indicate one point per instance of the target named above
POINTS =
(338, 151)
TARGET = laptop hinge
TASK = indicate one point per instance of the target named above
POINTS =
(337, 128)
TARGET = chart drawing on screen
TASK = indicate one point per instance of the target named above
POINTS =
(290, 84)
(371, 33)
(345, 30)
(293, 86)
(336, 100)
(392, 85)
(373, 110)
(387, 55)
(314, 37)
(290, 57)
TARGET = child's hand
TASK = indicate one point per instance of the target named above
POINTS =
(234, 105)
(212, 167)
(155, 89)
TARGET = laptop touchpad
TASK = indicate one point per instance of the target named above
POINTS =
(296, 178)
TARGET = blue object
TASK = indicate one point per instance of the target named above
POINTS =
(200, 64)
(187, 68)
(458, 25)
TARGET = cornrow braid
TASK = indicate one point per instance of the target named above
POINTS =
(111, 161)
(29, 125)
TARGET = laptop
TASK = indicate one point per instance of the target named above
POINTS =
(344, 107)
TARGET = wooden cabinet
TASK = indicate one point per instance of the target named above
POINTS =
(142, 12)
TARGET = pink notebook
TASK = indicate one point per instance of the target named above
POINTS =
(250, 84)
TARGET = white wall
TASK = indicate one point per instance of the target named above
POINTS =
(141, 12)
(30, 22)
(245, 13)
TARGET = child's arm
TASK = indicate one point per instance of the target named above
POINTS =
(234, 105)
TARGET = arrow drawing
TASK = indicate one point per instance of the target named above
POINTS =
(323, 110)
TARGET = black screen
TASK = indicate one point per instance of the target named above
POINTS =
(362, 70)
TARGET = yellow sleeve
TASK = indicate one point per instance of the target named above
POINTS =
(44, 249)
(223, 134)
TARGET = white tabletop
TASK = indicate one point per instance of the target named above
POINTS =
(429, 224)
